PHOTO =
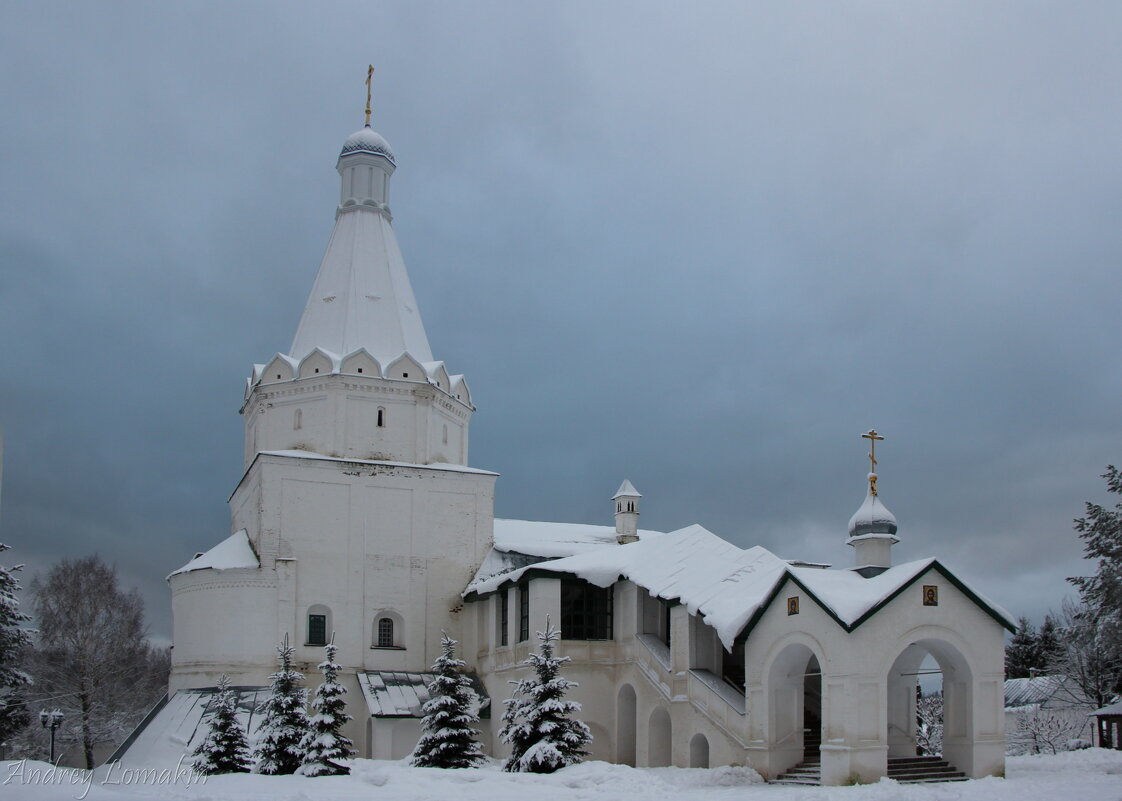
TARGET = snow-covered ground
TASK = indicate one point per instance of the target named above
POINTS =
(1091, 774)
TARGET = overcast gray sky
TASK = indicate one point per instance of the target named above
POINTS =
(700, 247)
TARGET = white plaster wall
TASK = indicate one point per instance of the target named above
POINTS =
(339, 414)
(209, 640)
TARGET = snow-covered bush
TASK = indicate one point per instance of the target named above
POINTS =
(1047, 731)
(285, 723)
(323, 745)
(537, 723)
(224, 749)
(448, 739)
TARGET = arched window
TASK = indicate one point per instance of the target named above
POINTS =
(385, 632)
(381, 417)
(297, 419)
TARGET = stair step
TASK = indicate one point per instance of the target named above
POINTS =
(930, 780)
(907, 770)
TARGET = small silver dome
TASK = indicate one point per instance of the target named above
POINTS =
(367, 140)
(872, 518)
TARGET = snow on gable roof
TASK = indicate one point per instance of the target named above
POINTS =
(715, 578)
(730, 587)
(555, 540)
(232, 553)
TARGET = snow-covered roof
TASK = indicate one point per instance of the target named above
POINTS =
(1110, 709)
(397, 694)
(726, 585)
(232, 553)
(520, 543)
(627, 490)
(1034, 690)
(555, 540)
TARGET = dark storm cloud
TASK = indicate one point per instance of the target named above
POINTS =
(701, 251)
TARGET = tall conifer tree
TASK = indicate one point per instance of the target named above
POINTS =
(448, 739)
(285, 722)
(538, 722)
(224, 749)
(323, 745)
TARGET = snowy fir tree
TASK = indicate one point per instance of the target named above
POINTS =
(285, 722)
(13, 639)
(1020, 653)
(537, 722)
(224, 749)
(323, 745)
(1101, 532)
(447, 738)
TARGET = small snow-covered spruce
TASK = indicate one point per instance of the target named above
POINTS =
(537, 722)
(448, 739)
(13, 639)
(285, 721)
(224, 749)
(323, 745)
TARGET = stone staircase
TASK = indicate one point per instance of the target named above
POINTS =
(809, 771)
(911, 770)
(923, 769)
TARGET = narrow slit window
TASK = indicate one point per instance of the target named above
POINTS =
(523, 613)
(504, 618)
(381, 418)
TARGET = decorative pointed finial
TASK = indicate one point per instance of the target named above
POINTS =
(872, 436)
(369, 77)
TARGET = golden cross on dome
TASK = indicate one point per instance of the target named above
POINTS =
(369, 76)
(872, 436)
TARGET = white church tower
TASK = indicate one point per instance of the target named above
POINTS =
(359, 380)
(356, 515)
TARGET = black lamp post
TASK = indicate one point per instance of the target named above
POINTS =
(51, 720)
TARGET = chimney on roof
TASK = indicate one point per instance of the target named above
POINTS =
(627, 513)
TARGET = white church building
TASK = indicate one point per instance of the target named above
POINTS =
(359, 517)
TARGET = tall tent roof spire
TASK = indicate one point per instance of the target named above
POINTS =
(362, 297)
